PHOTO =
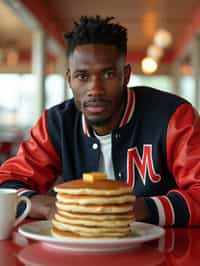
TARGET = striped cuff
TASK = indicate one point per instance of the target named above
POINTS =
(26, 192)
(171, 210)
(166, 215)
(22, 189)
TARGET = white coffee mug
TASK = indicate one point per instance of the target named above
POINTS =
(8, 207)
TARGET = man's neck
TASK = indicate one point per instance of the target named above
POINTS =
(103, 130)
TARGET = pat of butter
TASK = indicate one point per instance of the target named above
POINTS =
(94, 176)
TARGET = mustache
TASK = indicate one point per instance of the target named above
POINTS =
(96, 101)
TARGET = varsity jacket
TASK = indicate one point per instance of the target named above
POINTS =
(155, 149)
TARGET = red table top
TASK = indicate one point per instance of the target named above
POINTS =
(179, 246)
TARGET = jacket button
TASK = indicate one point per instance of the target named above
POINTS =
(117, 136)
(120, 175)
(94, 146)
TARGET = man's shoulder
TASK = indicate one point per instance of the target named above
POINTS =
(150, 102)
(65, 108)
(63, 112)
(147, 93)
(148, 90)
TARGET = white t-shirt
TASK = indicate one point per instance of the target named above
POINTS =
(105, 163)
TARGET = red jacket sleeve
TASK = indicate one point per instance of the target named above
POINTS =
(183, 157)
(37, 163)
(181, 206)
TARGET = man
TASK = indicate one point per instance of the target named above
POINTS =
(145, 137)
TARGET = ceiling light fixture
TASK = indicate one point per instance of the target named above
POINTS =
(149, 65)
(163, 38)
(154, 52)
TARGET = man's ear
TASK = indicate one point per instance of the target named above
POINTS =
(127, 74)
(68, 77)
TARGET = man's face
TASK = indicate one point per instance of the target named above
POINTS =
(98, 77)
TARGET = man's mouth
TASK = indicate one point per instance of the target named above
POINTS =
(96, 106)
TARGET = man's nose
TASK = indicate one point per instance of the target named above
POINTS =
(96, 87)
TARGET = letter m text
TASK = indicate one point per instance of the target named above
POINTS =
(143, 164)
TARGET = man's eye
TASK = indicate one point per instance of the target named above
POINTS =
(109, 75)
(82, 76)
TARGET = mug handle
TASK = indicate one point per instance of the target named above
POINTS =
(26, 210)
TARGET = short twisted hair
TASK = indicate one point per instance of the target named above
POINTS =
(96, 30)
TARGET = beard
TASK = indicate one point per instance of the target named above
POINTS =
(98, 122)
(93, 121)
(104, 120)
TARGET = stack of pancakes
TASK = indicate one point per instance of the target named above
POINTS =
(93, 207)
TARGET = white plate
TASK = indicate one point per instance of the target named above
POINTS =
(40, 231)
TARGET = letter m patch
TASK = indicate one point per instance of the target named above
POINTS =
(143, 164)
